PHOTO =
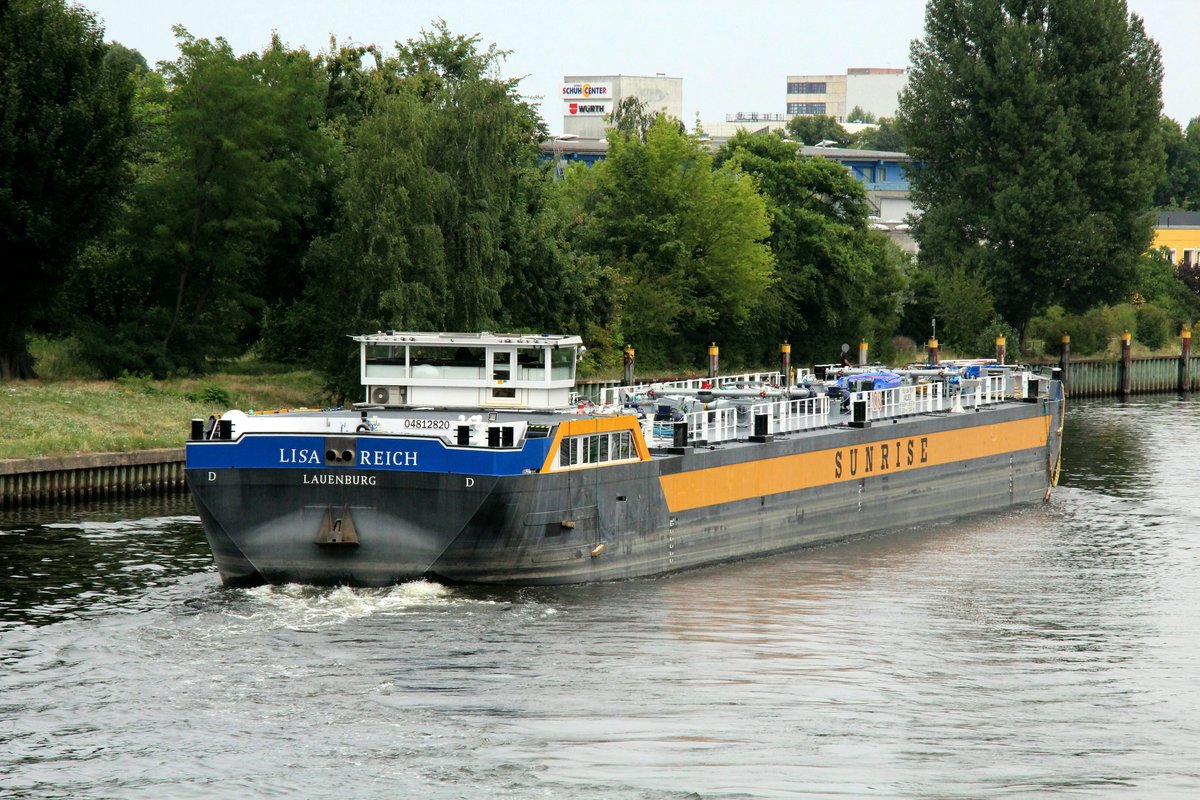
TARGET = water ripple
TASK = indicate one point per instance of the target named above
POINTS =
(1047, 651)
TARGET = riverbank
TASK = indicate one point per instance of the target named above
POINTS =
(52, 418)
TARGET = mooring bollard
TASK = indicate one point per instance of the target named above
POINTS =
(629, 357)
(933, 352)
(862, 352)
(713, 358)
(785, 363)
(1000, 348)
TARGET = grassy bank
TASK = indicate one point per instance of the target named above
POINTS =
(64, 416)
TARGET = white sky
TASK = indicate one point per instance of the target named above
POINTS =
(729, 62)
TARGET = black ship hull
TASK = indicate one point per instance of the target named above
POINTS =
(679, 511)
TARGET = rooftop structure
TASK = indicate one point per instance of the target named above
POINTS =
(873, 89)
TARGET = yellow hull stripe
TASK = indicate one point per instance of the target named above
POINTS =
(726, 484)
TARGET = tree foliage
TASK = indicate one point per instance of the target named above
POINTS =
(682, 241)
(858, 115)
(64, 120)
(836, 279)
(441, 210)
(811, 130)
(1036, 128)
(885, 136)
(232, 151)
(632, 117)
(282, 201)
(1180, 186)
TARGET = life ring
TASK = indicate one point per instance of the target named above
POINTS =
(876, 401)
(362, 428)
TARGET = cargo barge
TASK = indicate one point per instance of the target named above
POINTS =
(471, 460)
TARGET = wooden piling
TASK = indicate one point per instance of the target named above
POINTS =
(1185, 360)
(36, 481)
(1064, 361)
(1126, 365)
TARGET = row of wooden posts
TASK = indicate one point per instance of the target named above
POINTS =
(94, 476)
(1086, 377)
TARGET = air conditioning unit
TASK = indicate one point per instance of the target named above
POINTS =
(386, 395)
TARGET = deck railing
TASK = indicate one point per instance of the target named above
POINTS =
(921, 398)
(703, 427)
(614, 395)
(788, 416)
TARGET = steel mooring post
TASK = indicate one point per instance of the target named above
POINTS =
(785, 363)
(862, 352)
(1001, 343)
(714, 353)
(629, 357)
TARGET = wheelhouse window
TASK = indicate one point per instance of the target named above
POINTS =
(562, 363)
(531, 364)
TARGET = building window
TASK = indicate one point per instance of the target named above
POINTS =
(806, 108)
(806, 88)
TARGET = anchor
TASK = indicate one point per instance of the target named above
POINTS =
(337, 530)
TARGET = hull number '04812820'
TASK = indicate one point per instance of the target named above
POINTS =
(427, 424)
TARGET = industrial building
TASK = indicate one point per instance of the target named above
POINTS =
(589, 100)
(875, 90)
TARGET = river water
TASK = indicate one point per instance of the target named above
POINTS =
(1052, 650)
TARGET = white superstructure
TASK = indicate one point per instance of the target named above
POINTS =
(478, 370)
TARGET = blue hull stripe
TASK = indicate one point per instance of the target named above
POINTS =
(271, 451)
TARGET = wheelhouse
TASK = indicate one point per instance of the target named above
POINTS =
(479, 370)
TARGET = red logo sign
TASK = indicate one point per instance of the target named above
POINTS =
(573, 108)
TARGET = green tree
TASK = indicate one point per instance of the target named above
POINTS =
(231, 157)
(1035, 125)
(631, 117)
(684, 242)
(964, 309)
(858, 115)
(1180, 186)
(441, 218)
(837, 280)
(811, 130)
(64, 120)
(885, 136)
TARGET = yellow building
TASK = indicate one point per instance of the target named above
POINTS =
(1179, 232)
